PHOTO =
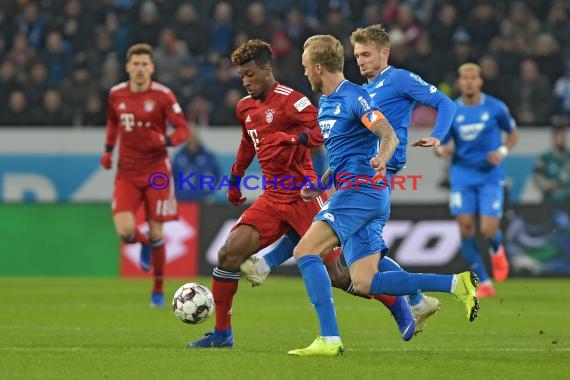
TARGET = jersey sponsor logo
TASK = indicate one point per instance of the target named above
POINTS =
(149, 105)
(302, 103)
(337, 109)
(364, 103)
(248, 119)
(469, 132)
(326, 127)
(419, 79)
(176, 108)
(122, 106)
(128, 121)
(380, 84)
(269, 115)
(254, 138)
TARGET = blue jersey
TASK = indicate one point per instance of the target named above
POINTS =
(476, 131)
(395, 92)
(350, 144)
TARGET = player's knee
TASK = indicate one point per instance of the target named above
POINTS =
(361, 285)
(488, 232)
(467, 229)
(127, 234)
(228, 258)
(155, 235)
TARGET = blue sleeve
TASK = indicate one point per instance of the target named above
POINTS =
(361, 103)
(448, 136)
(506, 121)
(412, 86)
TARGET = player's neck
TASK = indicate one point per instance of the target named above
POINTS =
(471, 100)
(134, 87)
(378, 72)
(266, 92)
(331, 83)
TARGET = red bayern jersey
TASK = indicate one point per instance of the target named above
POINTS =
(140, 119)
(284, 110)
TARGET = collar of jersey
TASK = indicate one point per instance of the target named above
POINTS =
(481, 101)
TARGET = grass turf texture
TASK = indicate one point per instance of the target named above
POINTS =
(72, 328)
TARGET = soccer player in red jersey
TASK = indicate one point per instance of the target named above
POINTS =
(137, 112)
(279, 125)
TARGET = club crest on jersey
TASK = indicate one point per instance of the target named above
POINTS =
(269, 115)
(485, 116)
(148, 105)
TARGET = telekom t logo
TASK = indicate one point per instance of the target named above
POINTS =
(128, 121)
(253, 136)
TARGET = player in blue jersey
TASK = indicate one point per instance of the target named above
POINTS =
(355, 215)
(395, 92)
(477, 173)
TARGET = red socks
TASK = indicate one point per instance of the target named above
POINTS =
(224, 292)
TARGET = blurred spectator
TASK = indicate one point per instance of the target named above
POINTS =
(297, 28)
(561, 117)
(32, 25)
(188, 83)
(195, 160)
(52, 111)
(407, 23)
(222, 29)
(199, 111)
(257, 24)
(168, 57)
(191, 29)
(103, 50)
(225, 81)
(522, 23)
(17, 113)
(148, 26)
(37, 84)
(110, 75)
(94, 113)
(532, 96)
(8, 77)
(21, 53)
(335, 24)
(558, 25)
(546, 53)
(494, 83)
(76, 25)
(427, 64)
(442, 30)
(552, 171)
(77, 88)
(120, 35)
(509, 52)
(462, 50)
(225, 114)
(482, 25)
(58, 57)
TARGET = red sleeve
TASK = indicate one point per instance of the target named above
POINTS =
(112, 129)
(246, 150)
(304, 113)
(175, 115)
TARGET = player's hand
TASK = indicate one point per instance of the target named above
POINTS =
(106, 160)
(280, 138)
(495, 157)
(444, 151)
(427, 142)
(379, 165)
(234, 196)
(309, 192)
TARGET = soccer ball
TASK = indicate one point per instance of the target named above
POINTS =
(193, 303)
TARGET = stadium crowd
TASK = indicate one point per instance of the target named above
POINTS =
(59, 58)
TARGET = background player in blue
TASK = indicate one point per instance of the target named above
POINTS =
(351, 125)
(477, 173)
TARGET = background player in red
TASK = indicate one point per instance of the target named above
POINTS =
(279, 125)
(137, 112)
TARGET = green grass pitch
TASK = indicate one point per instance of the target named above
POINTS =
(79, 328)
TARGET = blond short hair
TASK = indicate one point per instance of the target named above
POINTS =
(469, 67)
(326, 50)
(139, 49)
(373, 33)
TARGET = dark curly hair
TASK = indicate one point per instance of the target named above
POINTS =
(253, 50)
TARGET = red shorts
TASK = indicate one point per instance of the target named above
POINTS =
(273, 219)
(155, 190)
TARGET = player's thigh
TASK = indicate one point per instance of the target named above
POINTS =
(299, 215)
(463, 200)
(319, 240)
(367, 241)
(127, 198)
(491, 199)
(362, 271)
(160, 204)
(268, 218)
(242, 242)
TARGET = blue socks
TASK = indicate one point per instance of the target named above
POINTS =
(283, 251)
(473, 258)
(400, 283)
(389, 265)
(318, 285)
(496, 240)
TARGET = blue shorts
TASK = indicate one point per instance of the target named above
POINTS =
(486, 199)
(357, 217)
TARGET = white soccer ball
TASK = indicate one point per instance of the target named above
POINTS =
(193, 303)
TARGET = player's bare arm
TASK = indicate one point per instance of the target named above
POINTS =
(310, 192)
(497, 156)
(427, 142)
(388, 144)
